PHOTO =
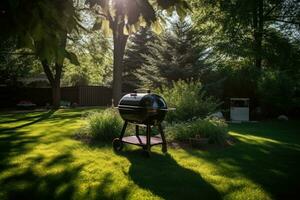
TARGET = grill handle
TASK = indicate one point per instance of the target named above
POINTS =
(128, 107)
(142, 90)
(131, 109)
(169, 109)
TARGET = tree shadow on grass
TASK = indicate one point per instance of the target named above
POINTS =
(37, 119)
(99, 192)
(30, 184)
(164, 177)
(23, 180)
(37, 177)
(270, 159)
(13, 143)
(17, 117)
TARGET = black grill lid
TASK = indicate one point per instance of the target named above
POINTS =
(143, 100)
(153, 101)
(133, 99)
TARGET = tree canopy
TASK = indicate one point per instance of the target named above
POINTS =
(123, 18)
(235, 48)
(41, 26)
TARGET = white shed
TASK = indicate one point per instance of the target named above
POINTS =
(239, 109)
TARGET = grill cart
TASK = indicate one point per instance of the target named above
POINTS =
(143, 109)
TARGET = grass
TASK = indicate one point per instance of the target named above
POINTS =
(39, 159)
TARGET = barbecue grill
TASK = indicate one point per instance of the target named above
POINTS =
(143, 109)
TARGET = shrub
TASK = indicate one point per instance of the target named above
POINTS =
(213, 129)
(277, 93)
(104, 125)
(189, 99)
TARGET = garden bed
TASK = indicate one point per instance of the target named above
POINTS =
(202, 145)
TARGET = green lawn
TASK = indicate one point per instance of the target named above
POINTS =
(39, 159)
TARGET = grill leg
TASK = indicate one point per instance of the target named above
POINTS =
(137, 130)
(137, 134)
(164, 144)
(148, 146)
(123, 130)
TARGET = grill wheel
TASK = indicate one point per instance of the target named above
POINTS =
(117, 145)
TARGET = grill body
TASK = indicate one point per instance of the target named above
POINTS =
(143, 108)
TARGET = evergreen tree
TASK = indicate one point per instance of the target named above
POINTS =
(178, 54)
(134, 59)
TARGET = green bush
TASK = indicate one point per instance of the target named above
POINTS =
(104, 125)
(277, 93)
(189, 99)
(213, 129)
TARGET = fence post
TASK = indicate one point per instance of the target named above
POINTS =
(78, 95)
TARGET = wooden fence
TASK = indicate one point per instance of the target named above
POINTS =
(82, 95)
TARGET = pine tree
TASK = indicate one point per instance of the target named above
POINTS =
(138, 46)
(178, 54)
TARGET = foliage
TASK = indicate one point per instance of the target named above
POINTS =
(15, 64)
(213, 129)
(282, 53)
(75, 77)
(177, 54)
(138, 45)
(41, 26)
(95, 57)
(245, 24)
(122, 18)
(189, 99)
(241, 80)
(278, 93)
(217, 44)
(279, 84)
(138, 14)
(244, 12)
(245, 33)
(104, 125)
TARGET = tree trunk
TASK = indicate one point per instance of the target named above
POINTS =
(56, 96)
(54, 82)
(120, 41)
(258, 23)
(56, 85)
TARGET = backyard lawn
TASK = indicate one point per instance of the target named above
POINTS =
(40, 159)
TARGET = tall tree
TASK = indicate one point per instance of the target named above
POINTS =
(134, 59)
(43, 27)
(178, 54)
(241, 19)
(124, 18)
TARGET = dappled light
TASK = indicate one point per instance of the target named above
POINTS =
(40, 159)
(265, 157)
(149, 99)
(162, 174)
